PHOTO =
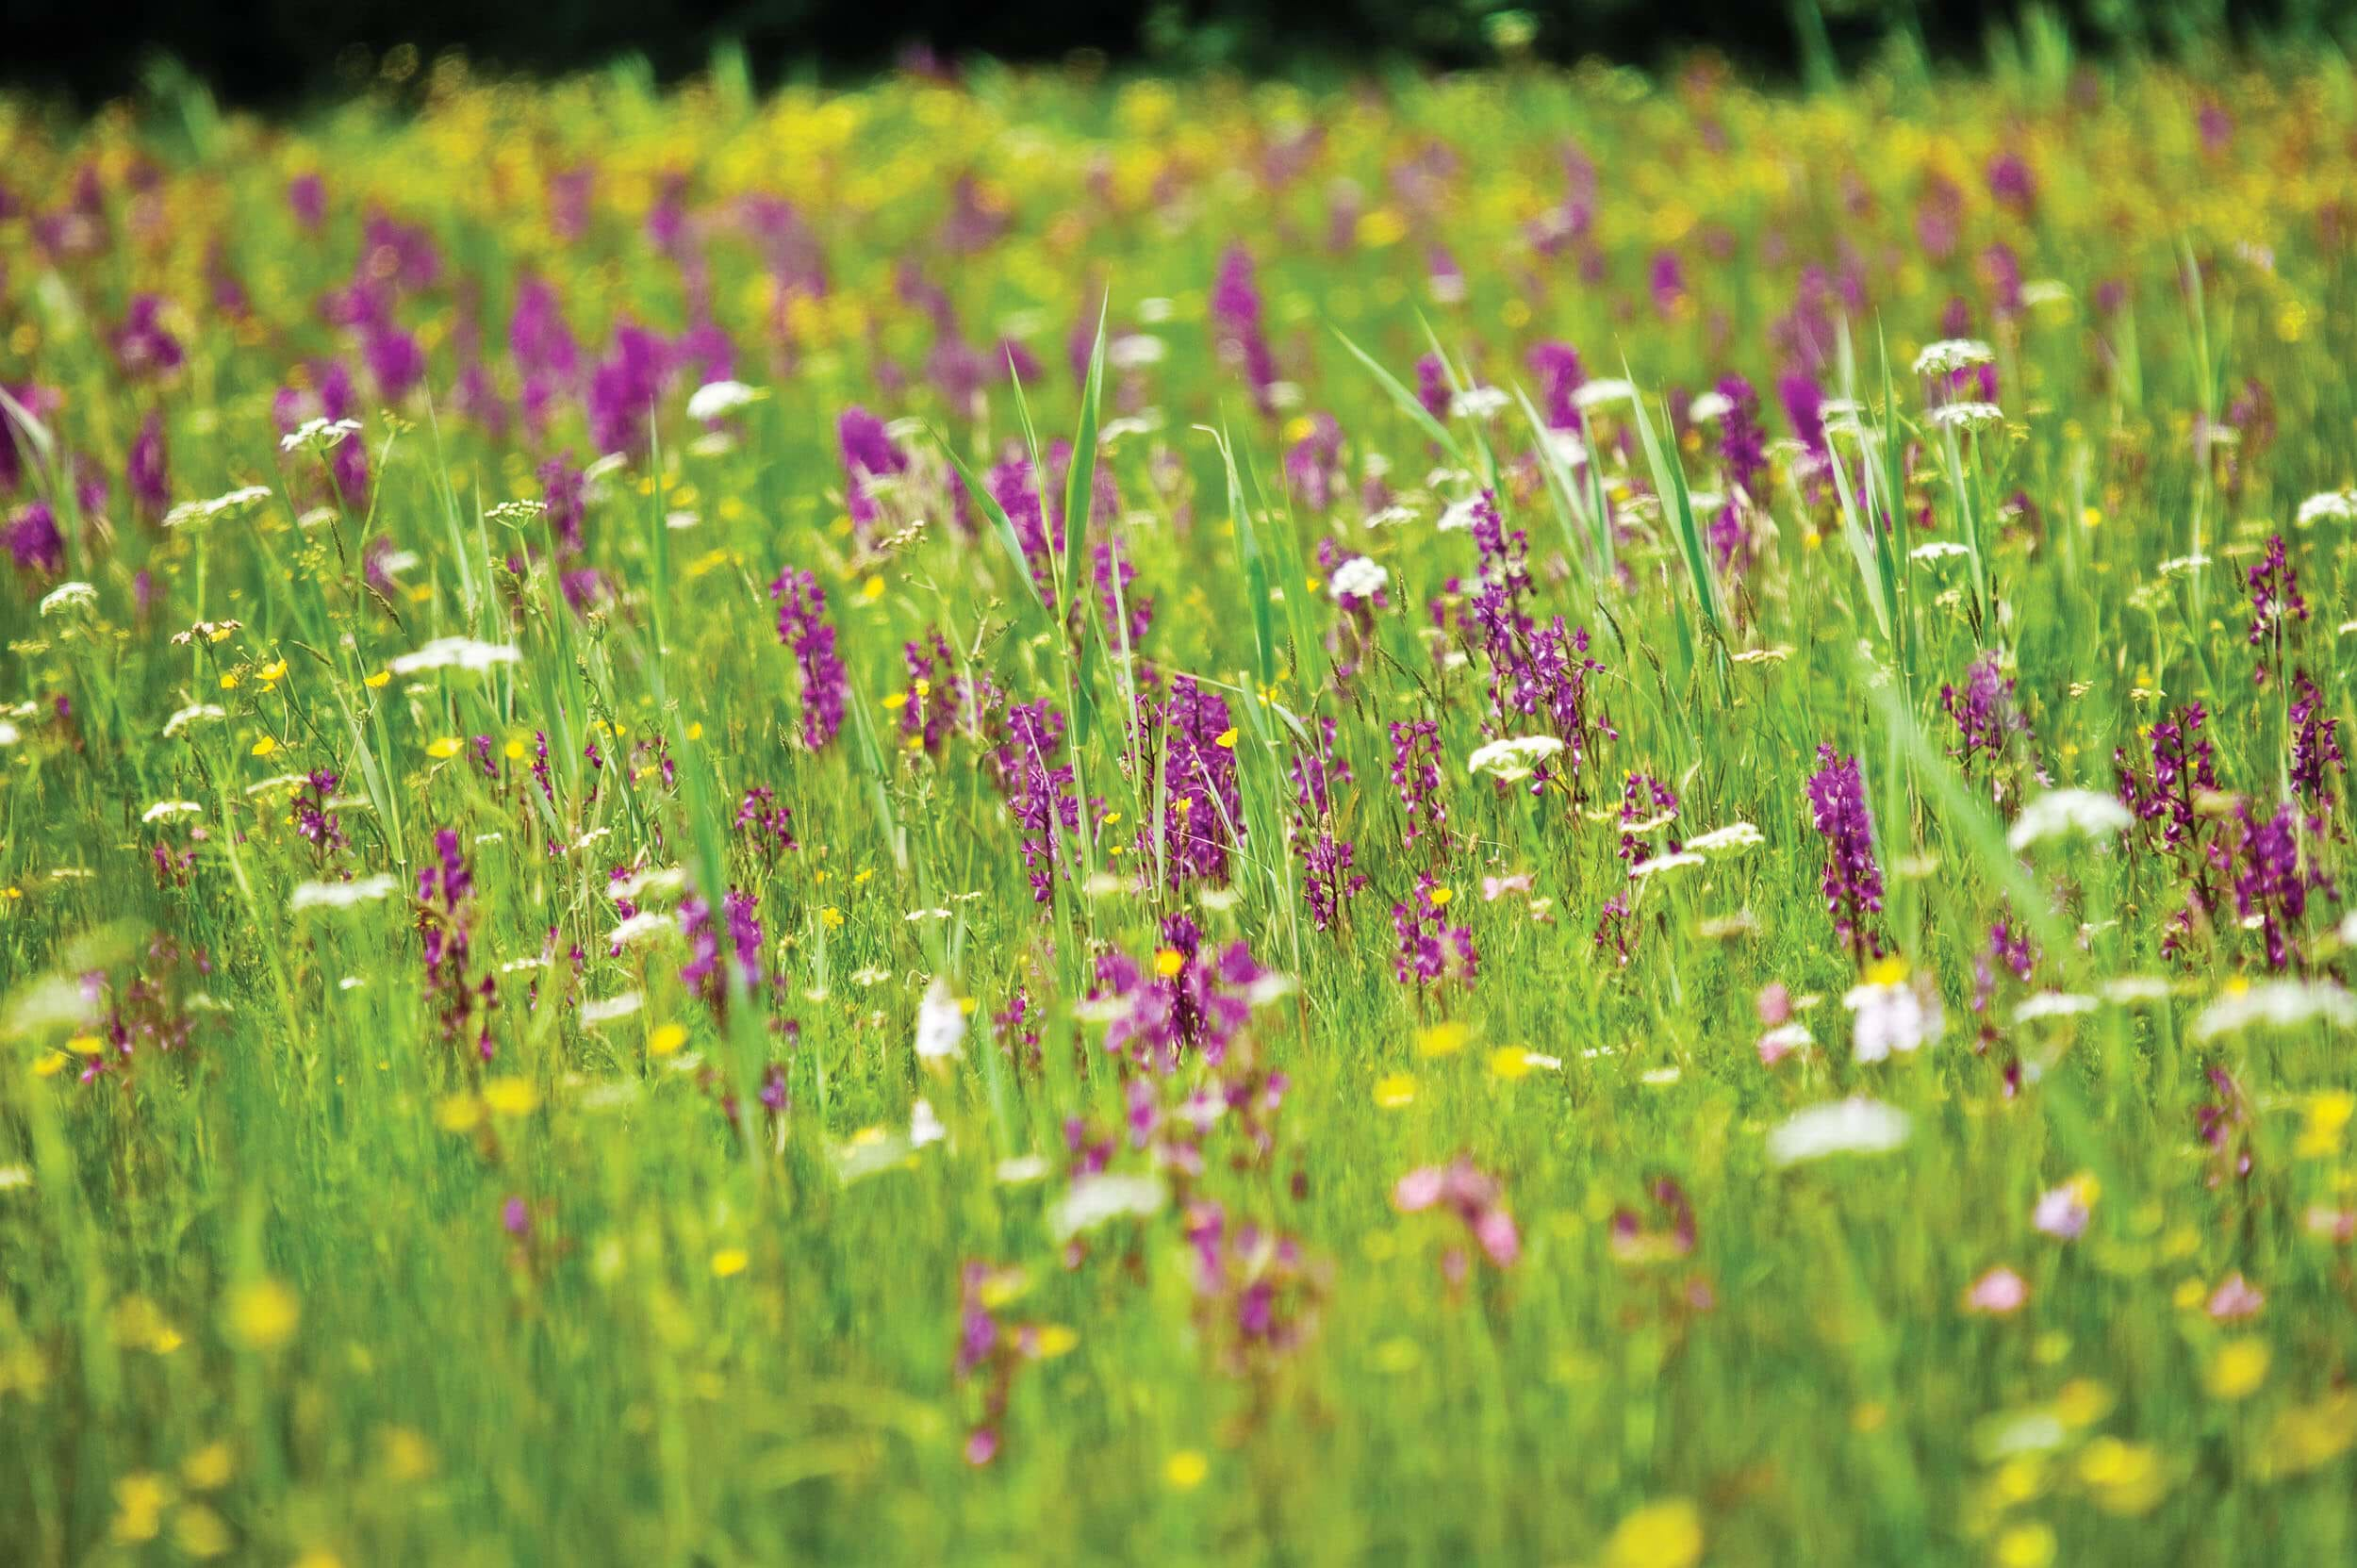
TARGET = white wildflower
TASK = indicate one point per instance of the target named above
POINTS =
(1095, 1200)
(68, 596)
(1478, 402)
(1854, 1126)
(1659, 864)
(924, 1126)
(1939, 550)
(605, 1009)
(1967, 416)
(1590, 393)
(1360, 577)
(2052, 1004)
(1733, 838)
(341, 895)
(2328, 506)
(318, 435)
(1515, 758)
(1134, 351)
(193, 714)
(940, 1024)
(461, 652)
(645, 925)
(2060, 812)
(206, 511)
(165, 810)
(652, 880)
(1458, 516)
(1950, 354)
(1021, 1169)
(1709, 406)
(2276, 1004)
(1892, 1015)
(718, 400)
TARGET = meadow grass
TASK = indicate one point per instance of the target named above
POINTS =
(534, 1033)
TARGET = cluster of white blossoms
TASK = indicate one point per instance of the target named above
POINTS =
(1516, 758)
(1950, 354)
(1967, 416)
(455, 652)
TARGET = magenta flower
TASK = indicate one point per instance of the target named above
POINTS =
(802, 626)
(1475, 1198)
(1853, 882)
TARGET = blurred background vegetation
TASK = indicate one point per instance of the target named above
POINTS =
(274, 53)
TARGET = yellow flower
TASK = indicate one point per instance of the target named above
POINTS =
(1186, 1469)
(265, 746)
(200, 1532)
(2082, 1402)
(263, 1316)
(2328, 1120)
(140, 1501)
(1660, 1535)
(1443, 1039)
(2025, 1546)
(2308, 1437)
(514, 750)
(1168, 961)
(729, 1260)
(1441, 897)
(1510, 1062)
(208, 1467)
(458, 1113)
(378, 681)
(1395, 1090)
(2238, 1368)
(407, 1454)
(510, 1097)
(666, 1039)
(2122, 1478)
(1052, 1340)
(444, 748)
(831, 917)
(1226, 740)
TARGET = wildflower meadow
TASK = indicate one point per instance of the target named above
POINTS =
(1032, 816)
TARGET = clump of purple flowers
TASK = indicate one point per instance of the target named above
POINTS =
(1257, 1291)
(1236, 312)
(1039, 791)
(1416, 777)
(802, 626)
(1476, 1200)
(1987, 718)
(1853, 882)
(1188, 1004)
(1430, 949)
(2273, 879)
(2275, 602)
(445, 915)
(703, 973)
(1205, 814)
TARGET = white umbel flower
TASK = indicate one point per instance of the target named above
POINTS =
(1854, 1126)
(2061, 812)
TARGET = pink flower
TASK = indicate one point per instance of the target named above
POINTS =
(2235, 1298)
(1495, 888)
(2000, 1292)
(1475, 1199)
(2062, 1212)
